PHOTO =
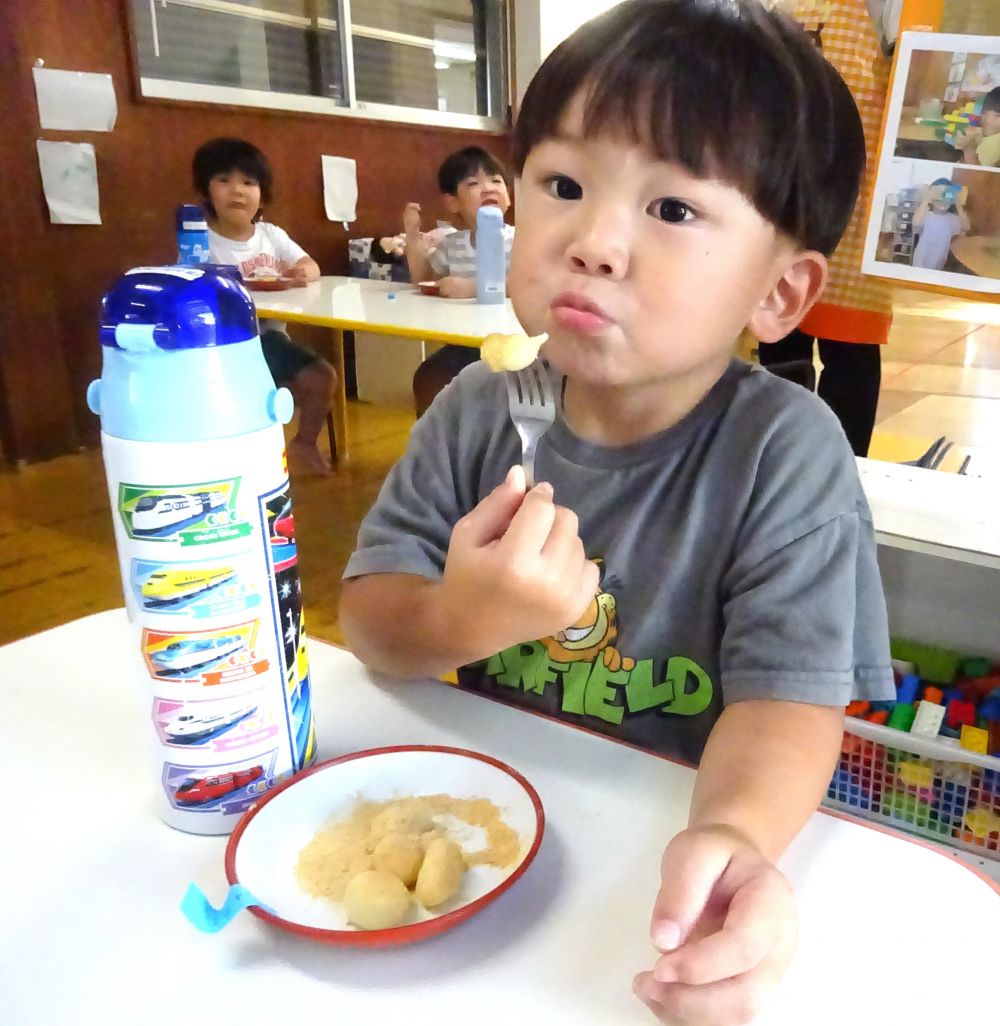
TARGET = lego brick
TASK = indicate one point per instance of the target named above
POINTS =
(880, 716)
(858, 708)
(960, 713)
(993, 729)
(902, 717)
(974, 738)
(937, 665)
(932, 694)
(916, 774)
(909, 689)
(928, 719)
(974, 667)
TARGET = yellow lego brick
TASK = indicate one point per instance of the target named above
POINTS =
(974, 738)
(982, 822)
(916, 775)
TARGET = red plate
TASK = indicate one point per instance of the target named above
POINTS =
(264, 848)
(269, 284)
(429, 288)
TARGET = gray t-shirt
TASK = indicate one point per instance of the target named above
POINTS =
(736, 550)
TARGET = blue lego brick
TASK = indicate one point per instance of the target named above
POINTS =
(908, 688)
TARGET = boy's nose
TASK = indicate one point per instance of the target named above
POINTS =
(598, 255)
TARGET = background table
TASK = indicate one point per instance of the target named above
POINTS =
(891, 931)
(355, 304)
(979, 253)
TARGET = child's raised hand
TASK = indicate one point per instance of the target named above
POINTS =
(724, 922)
(411, 218)
(516, 569)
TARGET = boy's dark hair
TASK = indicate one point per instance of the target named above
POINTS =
(220, 156)
(724, 88)
(991, 102)
(460, 165)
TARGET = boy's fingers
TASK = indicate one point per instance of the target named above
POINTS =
(491, 518)
(590, 579)
(689, 872)
(759, 913)
(530, 526)
(563, 541)
(726, 1003)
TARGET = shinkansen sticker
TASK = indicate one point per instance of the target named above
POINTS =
(193, 514)
(228, 789)
(218, 725)
(222, 656)
(210, 588)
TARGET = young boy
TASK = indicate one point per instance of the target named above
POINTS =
(468, 179)
(982, 146)
(235, 182)
(698, 559)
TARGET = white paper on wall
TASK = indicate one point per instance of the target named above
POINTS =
(75, 101)
(69, 179)
(340, 188)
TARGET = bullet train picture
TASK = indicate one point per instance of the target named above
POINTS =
(164, 587)
(198, 790)
(191, 728)
(154, 513)
(194, 654)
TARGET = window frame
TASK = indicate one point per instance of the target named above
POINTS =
(152, 89)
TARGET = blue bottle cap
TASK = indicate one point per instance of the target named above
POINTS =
(177, 308)
(190, 217)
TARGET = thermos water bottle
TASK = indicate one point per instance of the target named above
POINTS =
(192, 235)
(491, 256)
(198, 479)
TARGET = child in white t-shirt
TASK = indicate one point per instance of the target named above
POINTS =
(235, 181)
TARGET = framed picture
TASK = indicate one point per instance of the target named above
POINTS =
(935, 216)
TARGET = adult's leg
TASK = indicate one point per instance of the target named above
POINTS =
(795, 346)
(849, 384)
(437, 371)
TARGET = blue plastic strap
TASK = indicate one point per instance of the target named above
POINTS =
(201, 913)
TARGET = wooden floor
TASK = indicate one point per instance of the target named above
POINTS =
(57, 551)
(57, 554)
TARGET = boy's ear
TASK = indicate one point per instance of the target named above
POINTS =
(791, 297)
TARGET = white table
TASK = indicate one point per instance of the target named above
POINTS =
(891, 931)
(353, 304)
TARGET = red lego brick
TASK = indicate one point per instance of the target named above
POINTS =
(960, 713)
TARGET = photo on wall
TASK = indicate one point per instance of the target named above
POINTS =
(935, 215)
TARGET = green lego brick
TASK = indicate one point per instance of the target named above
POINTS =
(975, 667)
(902, 716)
(935, 665)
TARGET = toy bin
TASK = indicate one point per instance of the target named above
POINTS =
(938, 538)
(928, 786)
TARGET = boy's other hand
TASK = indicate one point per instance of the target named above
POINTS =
(516, 569)
(411, 218)
(457, 288)
(296, 273)
(724, 922)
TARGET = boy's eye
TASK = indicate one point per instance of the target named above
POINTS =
(673, 211)
(562, 187)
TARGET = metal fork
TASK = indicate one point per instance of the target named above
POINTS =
(532, 409)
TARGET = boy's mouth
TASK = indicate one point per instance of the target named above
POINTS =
(576, 312)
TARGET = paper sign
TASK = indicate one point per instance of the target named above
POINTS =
(75, 101)
(340, 188)
(69, 178)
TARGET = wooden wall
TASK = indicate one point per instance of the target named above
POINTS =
(56, 274)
